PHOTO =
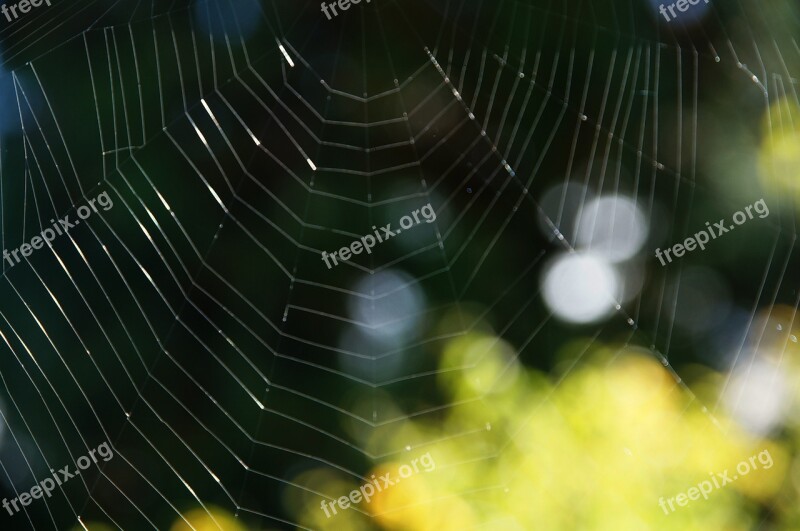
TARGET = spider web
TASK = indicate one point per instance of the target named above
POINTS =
(194, 325)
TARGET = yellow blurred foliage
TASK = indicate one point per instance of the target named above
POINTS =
(779, 154)
(595, 449)
(212, 520)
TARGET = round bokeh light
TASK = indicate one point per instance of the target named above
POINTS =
(580, 288)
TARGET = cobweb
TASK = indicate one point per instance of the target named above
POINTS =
(194, 325)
